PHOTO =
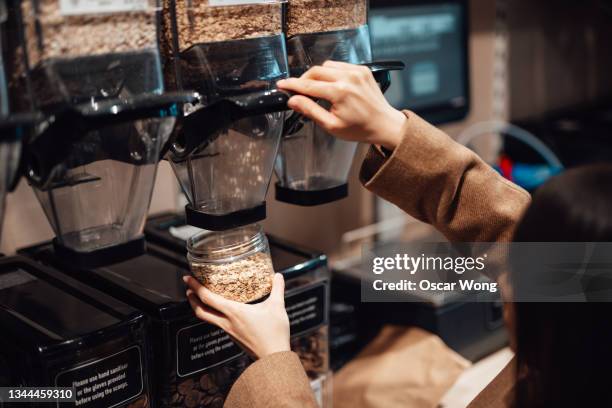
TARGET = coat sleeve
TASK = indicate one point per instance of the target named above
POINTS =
(442, 183)
(277, 380)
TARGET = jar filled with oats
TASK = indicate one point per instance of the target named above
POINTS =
(235, 264)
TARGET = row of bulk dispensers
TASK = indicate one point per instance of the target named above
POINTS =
(94, 95)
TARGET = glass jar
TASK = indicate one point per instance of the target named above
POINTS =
(235, 264)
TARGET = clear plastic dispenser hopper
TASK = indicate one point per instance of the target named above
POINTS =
(93, 170)
(313, 166)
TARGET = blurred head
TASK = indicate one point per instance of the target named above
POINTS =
(564, 350)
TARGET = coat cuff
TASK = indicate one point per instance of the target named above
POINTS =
(277, 380)
(379, 168)
(440, 182)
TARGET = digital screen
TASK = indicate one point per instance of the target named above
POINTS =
(430, 40)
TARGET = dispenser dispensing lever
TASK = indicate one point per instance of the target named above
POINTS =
(202, 127)
(382, 72)
(50, 148)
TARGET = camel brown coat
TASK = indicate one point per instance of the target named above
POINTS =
(437, 181)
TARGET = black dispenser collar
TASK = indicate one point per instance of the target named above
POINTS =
(236, 219)
(310, 198)
(100, 257)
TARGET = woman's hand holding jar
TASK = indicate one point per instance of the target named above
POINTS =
(261, 329)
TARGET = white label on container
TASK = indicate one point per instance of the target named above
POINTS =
(214, 3)
(77, 7)
(105, 383)
(202, 346)
(307, 308)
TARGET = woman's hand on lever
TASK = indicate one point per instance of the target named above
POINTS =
(262, 329)
(359, 110)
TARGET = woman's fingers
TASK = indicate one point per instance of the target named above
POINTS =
(310, 87)
(205, 313)
(342, 66)
(209, 298)
(352, 72)
(323, 74)
(278, 290)
(314, 112)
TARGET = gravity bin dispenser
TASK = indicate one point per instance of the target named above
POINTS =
(224, 146)
(94, 70)
(313, 166)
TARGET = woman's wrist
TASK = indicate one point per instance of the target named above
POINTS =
(276, 348)
(390, 133)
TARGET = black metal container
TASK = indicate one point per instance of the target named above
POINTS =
(59, 332)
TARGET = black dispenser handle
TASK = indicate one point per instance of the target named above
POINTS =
(66, 125)
(202, 127)
(382, 72)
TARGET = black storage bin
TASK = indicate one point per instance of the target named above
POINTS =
(194, 363)
(59, 332)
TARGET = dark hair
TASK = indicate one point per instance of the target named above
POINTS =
(564, 350)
